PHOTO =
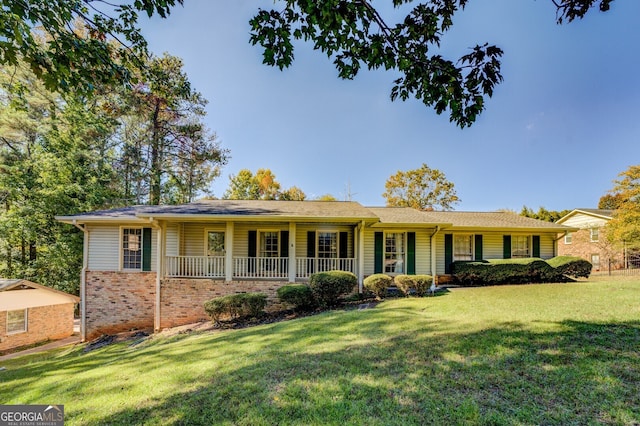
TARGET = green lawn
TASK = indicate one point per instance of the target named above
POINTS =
(528, 355)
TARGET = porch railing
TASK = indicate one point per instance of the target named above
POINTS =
(195, 266)
(305, 266)
(261, 267)
(252, 267)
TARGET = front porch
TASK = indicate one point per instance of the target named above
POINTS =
(278, 268)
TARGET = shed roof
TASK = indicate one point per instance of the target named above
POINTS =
(21, 294)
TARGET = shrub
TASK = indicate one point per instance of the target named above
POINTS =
(378, 284)
(298, 295)
(422, 284)
(505, 271)
(236, 305)
(404, 283)
(327, 287)
(571, 266)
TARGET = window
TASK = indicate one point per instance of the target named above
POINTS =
(327, 245)
(520, 246)
(462, 247)
(215, 243)
(17, 321)
(132, 248)
(595, 235)
(568, 238)
(595, 261)
(394, 253)
(269, 246)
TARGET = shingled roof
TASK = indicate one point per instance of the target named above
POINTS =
(493, 220)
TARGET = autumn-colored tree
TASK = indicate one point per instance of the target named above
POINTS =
(624, 227)
(292, 194)
(424, 189)
(326, 197)
(610, 201)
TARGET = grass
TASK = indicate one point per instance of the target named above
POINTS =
(534, 354)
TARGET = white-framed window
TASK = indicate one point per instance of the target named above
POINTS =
(595, 235)
(394, 252)
(595, 261)
(568, 238)
(132, 248)
(327, 245)
(17, 321)
(215, 243)
(463, 247)
(520, 246)
(269, 243)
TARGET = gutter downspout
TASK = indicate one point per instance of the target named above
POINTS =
(83, 280)
(433, 255)
(159, 256)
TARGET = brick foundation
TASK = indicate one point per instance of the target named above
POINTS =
(43, 323)
(119, 301)
(182, 299)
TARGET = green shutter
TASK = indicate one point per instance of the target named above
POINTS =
(448, 253)
(506, 246)
(343, 245)
(311, 251)
(378, 252)
(536, 245)
(253, 244)
(411, 253)
(478, 247)
(146, 249)
(252, 250)
(284, 243)
(284, 250)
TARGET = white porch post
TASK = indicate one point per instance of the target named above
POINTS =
(292, 252)
(433, 255)
(228, 247)
(360, 231)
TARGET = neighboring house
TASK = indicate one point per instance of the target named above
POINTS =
(590, 240)
(31, 313)
(154, 266)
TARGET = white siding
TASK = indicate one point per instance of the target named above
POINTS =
(173, 240)
(104, 248)
(492, 246)
(423, 249)
(584, 221)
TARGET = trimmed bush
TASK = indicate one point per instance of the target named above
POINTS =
(378, 284)
(327, 287)
(404, 283)
(571, 266)
(299, 296)
(422, 284)
(249, 305)
(505, 271)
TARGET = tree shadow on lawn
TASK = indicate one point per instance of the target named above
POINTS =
(577, 373)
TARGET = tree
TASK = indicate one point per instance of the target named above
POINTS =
(544, 214)
(610, 201)
(168, 153)
(326, 197)
(423, 189)
(625, 225)
(353, 33)
(292, 194)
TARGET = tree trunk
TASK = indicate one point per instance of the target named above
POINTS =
(156, 169)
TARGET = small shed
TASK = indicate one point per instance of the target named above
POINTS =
(31, 313)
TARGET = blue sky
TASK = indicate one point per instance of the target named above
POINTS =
(558, 130)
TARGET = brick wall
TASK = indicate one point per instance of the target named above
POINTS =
(43, 323)
(582, 246)
(182, 299)
(119, 301)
